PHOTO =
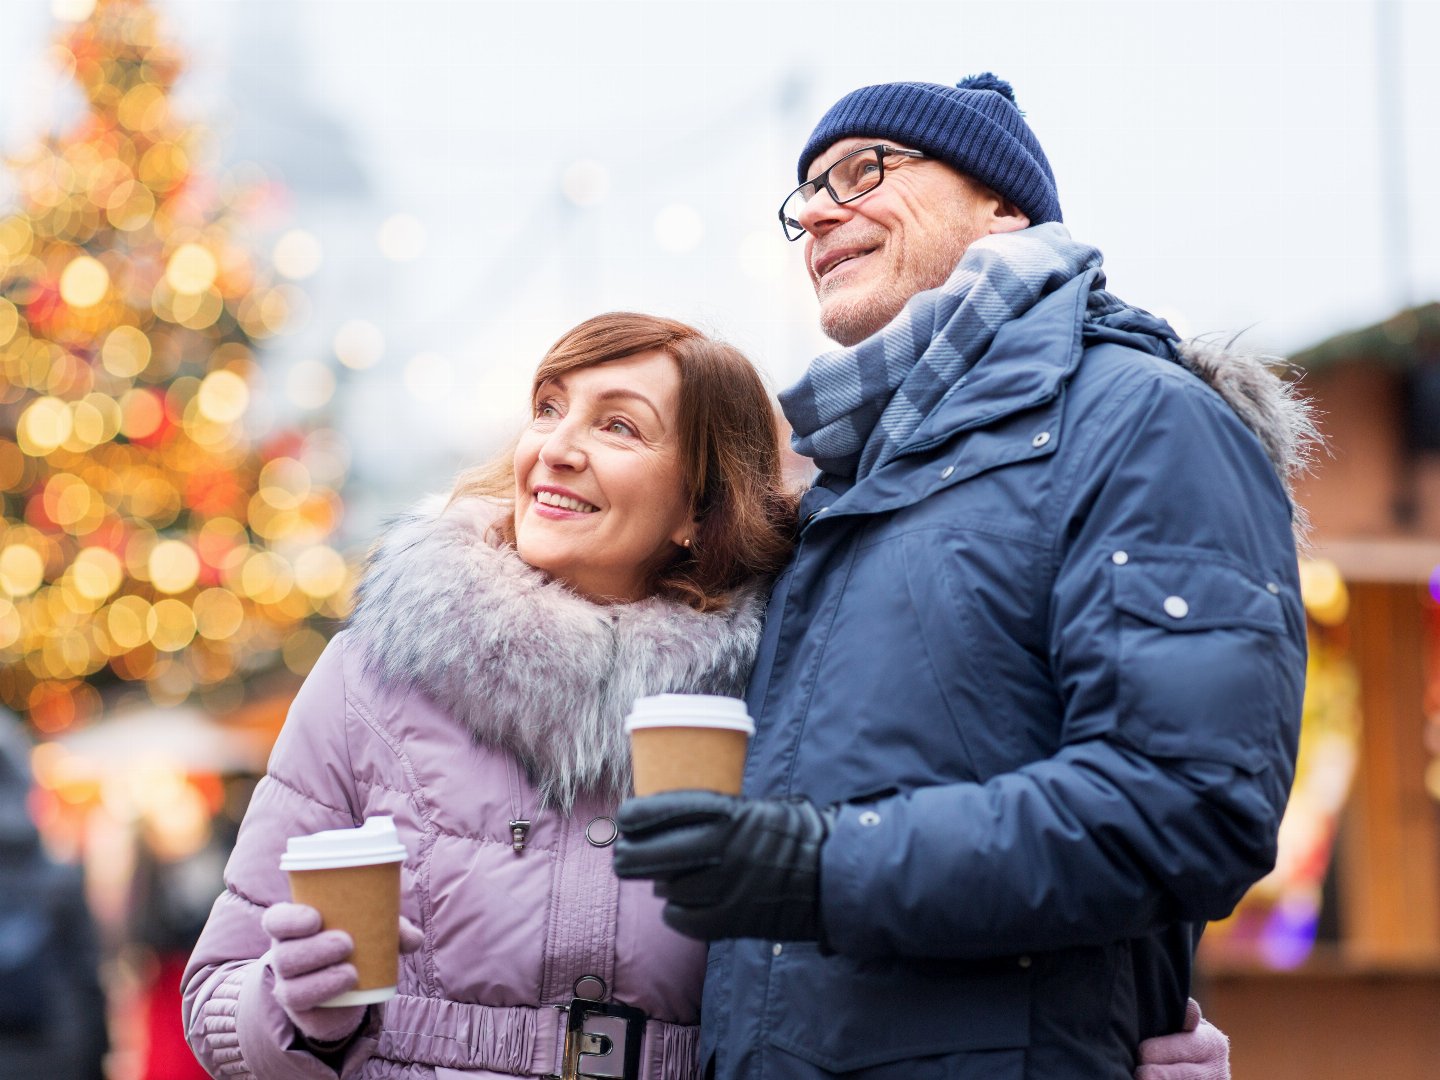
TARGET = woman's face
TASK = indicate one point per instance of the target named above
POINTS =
(599, 495)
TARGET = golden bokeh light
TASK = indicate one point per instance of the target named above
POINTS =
(174, 566)
(219, 614)
(107, 409)
(284, 483)
(223, 397)
(266, 578)
(1327, 600)
(97, 572)
(143, 108)
(171, 625)
(196, 311)
(191, 269)
(320, 572)
(127, 620)
(126, 352)
(68, 499)
(44, 426)
(163, 166)
(130, 206)
(84, 282)
(87, 427)
(22, 569)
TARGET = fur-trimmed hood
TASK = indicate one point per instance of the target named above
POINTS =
(527, 665)
(1281, 417)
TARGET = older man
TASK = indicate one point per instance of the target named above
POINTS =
(1028, 696)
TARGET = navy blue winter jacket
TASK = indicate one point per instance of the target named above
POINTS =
(1049, 663)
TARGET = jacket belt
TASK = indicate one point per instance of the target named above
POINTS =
(521, 1039)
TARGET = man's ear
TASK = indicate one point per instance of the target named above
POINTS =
(1004, 216)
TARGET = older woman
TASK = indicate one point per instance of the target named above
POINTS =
(621, 549)
(477, 697)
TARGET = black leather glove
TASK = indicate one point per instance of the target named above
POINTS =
(728, 867)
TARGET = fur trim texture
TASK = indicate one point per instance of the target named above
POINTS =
(526, 664)
(1272, 407)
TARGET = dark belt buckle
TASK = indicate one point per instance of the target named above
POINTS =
(602, 1040)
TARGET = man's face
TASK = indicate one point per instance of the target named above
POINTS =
(868, 257)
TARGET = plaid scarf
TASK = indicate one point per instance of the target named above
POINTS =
(896, 376)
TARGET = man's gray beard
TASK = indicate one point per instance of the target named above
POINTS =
(851, 322)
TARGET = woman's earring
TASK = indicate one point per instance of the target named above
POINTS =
(685, 542)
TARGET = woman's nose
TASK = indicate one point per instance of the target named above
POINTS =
(563, 449)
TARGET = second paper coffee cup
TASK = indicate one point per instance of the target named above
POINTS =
(352, 877)
(682, 741)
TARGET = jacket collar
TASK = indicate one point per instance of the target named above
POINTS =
(1026, 366)
(1028, 361)
(527, 665)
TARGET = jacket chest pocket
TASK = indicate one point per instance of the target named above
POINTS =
(1201, 651)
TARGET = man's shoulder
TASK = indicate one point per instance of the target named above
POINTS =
(1115, 382)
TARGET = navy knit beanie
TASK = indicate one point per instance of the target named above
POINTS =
(974, 126)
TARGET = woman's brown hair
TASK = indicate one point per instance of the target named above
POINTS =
(729, 451)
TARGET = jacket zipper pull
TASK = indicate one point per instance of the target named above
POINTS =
(519, 833)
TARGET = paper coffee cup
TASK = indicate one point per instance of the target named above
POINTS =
(352, 877)
(682, 741)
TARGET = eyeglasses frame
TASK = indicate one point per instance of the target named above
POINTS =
(823, 180)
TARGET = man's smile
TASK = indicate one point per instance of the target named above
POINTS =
(829, 260)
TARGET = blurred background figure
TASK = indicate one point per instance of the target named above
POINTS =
(172, 889)
(52, 1010)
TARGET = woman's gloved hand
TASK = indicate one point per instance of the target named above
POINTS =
(1198, 1051)
(312, 965)
(727, 867)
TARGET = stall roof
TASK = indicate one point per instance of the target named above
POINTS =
(1399, 341)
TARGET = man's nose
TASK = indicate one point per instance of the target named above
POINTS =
(822, 213)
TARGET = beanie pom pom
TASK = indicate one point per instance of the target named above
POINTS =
(988, 81)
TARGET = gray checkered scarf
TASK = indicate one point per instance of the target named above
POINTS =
(896, 376)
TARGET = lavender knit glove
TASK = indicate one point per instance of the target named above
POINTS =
(1198, 1051)
(311, 965)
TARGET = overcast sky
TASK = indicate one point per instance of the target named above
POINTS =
(1226, 157)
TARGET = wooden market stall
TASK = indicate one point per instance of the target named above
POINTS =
(1361, 997)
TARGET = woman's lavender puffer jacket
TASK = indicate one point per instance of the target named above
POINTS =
(467, 693)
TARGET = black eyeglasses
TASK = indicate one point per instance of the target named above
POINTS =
(853, 175)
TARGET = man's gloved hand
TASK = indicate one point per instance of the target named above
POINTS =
(727, 867)
(312, 965)
(1198, 1051)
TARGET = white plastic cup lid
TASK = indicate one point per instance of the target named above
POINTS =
(376, 841)
(690, 710)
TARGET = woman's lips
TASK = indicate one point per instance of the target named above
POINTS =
(561, 505)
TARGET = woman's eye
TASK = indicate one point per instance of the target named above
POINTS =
(547, 410)
(619, 427)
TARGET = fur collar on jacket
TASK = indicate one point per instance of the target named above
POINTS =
(1272, 407)
(525, 663)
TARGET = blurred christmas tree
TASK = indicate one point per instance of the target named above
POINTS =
(149, 539)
